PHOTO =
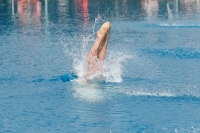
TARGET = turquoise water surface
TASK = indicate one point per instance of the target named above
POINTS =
(151, 71)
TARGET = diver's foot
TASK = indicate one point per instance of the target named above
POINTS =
(103, 30)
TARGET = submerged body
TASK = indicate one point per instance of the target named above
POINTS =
(97, 53)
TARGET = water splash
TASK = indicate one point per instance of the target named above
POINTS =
(113, 66)
(80, 57)
(77, 49)
(95, 22)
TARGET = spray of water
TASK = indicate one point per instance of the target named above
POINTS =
(95, 22)
(113, 66)
(78, 50)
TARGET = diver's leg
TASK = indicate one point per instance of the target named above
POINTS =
(102, 50)
(100, 36)
(96, 47)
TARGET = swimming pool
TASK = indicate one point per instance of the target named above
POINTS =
(152, 75)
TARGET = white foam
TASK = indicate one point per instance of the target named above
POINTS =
(90, 92)
(193, 129)
(142, 92)
(146, 93)
(178, 25)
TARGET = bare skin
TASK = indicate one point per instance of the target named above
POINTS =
(97, 53)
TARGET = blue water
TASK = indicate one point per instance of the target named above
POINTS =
(152, 68)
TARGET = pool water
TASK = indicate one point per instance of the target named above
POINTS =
(151, 71)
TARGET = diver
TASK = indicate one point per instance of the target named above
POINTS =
(97, 53)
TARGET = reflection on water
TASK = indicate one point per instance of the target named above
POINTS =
(151, 7)
(29, 11)
(32, 11)
(82, 10)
